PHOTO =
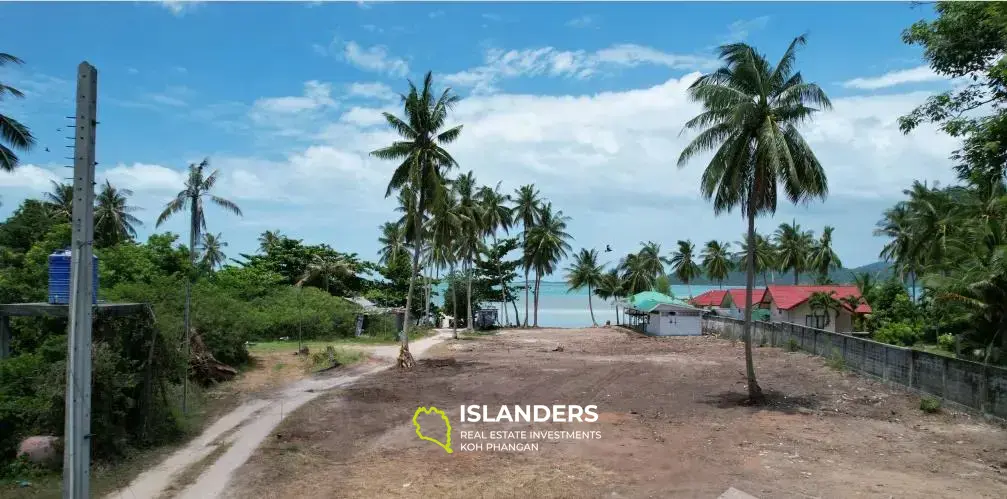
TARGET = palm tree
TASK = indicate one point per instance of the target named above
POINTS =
(12, 132)
(825, 302)
(113, 218)
(651, 261)
(717, 261)
(424, 162)
(470, 244)
(269, 239)
(443, 227)
(897, 225)
(750, 121)
(527, 209)
(60, 200)
(793, 248)
(765, 255)
(611, 287)
(197, 188)
(495, 216)
(684, 265)
(392, 242)
(546, 245)
(324, 267)
(823, 258)
(866, 282)
(213, 251)
(636, 276)
(585, 271)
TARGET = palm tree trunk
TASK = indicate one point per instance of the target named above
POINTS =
(517, 318)
(428, 282)
(538, 282)
(454, 302)
(690, 288)
(468, 320)
(590, 306)
(186, 322)
(754, 391)
(503, 285)
(914, 286)
(526, 288)
(405, 358)
(617, 321)
(796, 277)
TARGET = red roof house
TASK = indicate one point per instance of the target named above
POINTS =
(719, 298)
(738, 297)
(790, 304)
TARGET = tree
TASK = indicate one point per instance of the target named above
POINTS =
(528, 210)
(764, 254)
(717, 261)
(611, 287)
(494, 267)
(197, 189)
(820, 301)
(496, 215)
(823, 258)
(636, 276)
(470, 244)
(60, 200)
(651, 260)
(12, 132)
(424, 161)
(585, 272)
(545, 246)
(325, 267)
(269, 239)
(392, 242)
(213, 252)
(683, 263)
(444, 224)
(113, 218)
(750, 121)
(793, 247)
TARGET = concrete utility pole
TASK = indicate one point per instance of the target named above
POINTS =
(77, 439)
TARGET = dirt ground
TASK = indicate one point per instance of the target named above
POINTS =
(671, 425)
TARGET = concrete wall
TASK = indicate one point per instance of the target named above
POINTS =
(666, 324)
(965, 383)
(799, 314)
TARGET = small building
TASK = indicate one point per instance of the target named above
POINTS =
(715, 298)
(398, 314)
(658, 314)
(791, 304)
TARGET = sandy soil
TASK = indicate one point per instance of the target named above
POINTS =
(670, 418)
(242, 430)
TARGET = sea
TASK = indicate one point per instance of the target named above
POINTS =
(559, 307)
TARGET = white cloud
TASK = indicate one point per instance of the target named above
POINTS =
(585, 21)
(179, 7)
(918, 74)
(739, 30)
(375, 58)
(145, 178)
(132, 71)
(31, 177)
(372, 90)
(316, 96)
(548, 61)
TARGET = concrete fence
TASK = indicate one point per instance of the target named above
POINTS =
(966, 383)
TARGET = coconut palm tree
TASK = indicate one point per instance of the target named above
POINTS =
(528, 210)
(192, 198)
(650, 259)
(325, 267)
(424, 160)
(793, 248)
(213, 251)
(585, 272)
(15, 134)
(636, 274)
(392, 242)
(684, 265)
(546, 245)
(60, 200)
(269, 239)
(496, 215)
(469, 243)
(827, 304)
(717, 261)
(443, 227)
(611, 287)
(765, 255)
(751, 113)
(113, 217)
(823, 258)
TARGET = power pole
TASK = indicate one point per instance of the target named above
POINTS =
(77, 439)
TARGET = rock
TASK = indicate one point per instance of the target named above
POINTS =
(42, 450)
(557, 349)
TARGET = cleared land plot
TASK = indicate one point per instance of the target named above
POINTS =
(670, 420)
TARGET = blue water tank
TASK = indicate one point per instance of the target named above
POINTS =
(59, 278)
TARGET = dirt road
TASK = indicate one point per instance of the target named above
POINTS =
(670, 422)
(242, 430)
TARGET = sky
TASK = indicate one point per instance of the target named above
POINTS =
(585, 100)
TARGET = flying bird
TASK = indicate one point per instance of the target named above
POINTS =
(608, 249)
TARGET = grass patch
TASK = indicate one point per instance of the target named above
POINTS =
(342, 356)
(316, 345)
(934, 349)
(189, 475)
(930, 405)
(836, 360)
(792, 345)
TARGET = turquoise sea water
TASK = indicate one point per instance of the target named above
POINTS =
(560, 308)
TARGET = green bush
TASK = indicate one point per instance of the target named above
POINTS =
(930, 405)
(898, 333)
(792, 345)
(946, 342)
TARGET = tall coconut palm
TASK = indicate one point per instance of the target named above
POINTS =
(15, 134)
(897, 225)
(636, 274)
(528, 210)
(650, 259)
(60, 200)
(823, 258)
(547, 245)
(193, 198)
(443, 227)
(611, 287)
(392, 242)
(585, 272)
(683, 263)
(213, 251)
(750, 119)
(765, 255)
(269, 239)
(424, 160)
(717, 261)
(496, 215)
(793, 248)
(470, 244)
(325, 267)
(113, 217)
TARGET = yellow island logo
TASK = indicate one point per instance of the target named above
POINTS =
(446, 445)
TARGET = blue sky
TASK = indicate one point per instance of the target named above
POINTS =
(584, 100)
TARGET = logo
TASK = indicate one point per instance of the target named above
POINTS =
(446, 445)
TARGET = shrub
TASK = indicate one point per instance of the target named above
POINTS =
(792, 345)
(946, 342)
(836, 360)
(930, 405)
(898, 333)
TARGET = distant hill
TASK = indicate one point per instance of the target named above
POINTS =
(882, 270)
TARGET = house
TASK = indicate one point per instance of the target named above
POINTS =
(715, 298)
(398, 314)
(791, 304)
(657, 314)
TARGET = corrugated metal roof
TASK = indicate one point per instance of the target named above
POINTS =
(788, 297)
(649, 300)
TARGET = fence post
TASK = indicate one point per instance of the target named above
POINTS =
(884, 365)
(944, 377)
(912, 366)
